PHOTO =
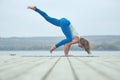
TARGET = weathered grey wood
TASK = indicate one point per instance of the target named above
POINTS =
(61, 71)
(20, 68)
(38, 72)
(83, 71)
(103, 70)
(59, 68)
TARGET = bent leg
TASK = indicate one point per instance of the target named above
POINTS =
(67, 32)
(60, 44)
(63, 42)
(48, 18)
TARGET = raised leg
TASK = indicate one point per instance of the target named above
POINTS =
(53, 21)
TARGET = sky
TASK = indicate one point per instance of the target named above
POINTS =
(89, 17)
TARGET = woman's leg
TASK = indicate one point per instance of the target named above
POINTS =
(67, 32)
(48, 18)
(53, 21)
(64, 25)
(60, 44)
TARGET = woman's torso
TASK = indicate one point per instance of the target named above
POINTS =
(73, 31)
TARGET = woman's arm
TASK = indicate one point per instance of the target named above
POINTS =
(75, 40)
(68, 45)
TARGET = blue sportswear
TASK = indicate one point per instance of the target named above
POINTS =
(63, 23)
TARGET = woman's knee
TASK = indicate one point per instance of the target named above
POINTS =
(69, 39)
(67, 44)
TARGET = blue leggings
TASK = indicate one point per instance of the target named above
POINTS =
(63, 23)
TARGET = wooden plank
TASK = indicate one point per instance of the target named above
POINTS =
(16, 63)
(5, 59)
(83, 71)
(20, 68)
(59, 68)
(62, 71)
(102, 70)
(40, 71)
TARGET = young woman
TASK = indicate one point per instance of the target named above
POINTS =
(71, 35)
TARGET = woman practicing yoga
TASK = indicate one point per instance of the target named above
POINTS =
(71, 35)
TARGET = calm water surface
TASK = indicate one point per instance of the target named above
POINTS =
(58, 53)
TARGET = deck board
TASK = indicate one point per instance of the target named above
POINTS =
(59, 68)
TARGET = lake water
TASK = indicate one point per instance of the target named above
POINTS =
(58, 53)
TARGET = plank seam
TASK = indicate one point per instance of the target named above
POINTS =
(73, 70)
(50, 70)
(98, 71)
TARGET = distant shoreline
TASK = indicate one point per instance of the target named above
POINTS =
(59, 36)
(98, 43)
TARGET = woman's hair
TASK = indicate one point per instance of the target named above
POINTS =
(85, 44)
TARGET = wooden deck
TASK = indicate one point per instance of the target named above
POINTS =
(59, 68)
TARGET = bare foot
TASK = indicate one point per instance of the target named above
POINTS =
(52, 48)
(31, 7)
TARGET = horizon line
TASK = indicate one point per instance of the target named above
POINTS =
(51, 36)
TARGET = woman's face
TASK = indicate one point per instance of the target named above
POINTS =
(80, 45)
